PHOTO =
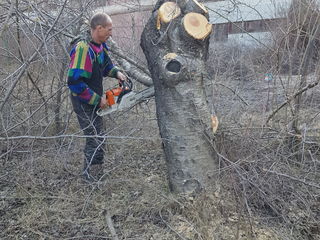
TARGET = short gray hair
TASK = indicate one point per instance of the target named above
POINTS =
(100, 19)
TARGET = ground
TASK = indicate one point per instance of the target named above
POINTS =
(42, 195)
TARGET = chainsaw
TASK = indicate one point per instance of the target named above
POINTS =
(122, 98)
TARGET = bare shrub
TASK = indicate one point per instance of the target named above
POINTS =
(268, 142)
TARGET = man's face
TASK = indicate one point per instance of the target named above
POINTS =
(104, 32)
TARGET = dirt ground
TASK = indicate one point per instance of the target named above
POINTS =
(43, 196)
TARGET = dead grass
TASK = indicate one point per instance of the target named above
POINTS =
(43, 196)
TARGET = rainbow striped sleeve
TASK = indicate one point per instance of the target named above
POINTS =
(81, 62)
(81, 67)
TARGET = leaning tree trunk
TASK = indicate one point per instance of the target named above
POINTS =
(175, 42)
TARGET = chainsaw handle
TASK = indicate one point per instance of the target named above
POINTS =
(126, 85)
(125, 88)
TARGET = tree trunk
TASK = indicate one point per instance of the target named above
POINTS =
(176, 55)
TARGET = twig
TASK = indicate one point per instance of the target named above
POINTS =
(87, 237)
(116, 50)
(4, 175)
(29, 61)
(36, 198)
(234, 92)
(110, 226)
(171, 228)
(5, 24)
(293, 178)
(135, 70)
(77, 136)
(311, 85)
(86, 202)
(34, 112)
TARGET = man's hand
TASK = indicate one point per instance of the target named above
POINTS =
(103, 102)
(121, 76)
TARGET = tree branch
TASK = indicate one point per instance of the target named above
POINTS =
(133, 69)
(311, 85)
(110, 226)
(5, 24)
(293, 178)
(28, 62)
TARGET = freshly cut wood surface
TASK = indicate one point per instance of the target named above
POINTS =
(169, 11)
(170, 56)
(197, 25)
(215, 123)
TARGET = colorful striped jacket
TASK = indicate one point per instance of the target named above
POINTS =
(80, 73)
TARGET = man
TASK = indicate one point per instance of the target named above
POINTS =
(89, 64)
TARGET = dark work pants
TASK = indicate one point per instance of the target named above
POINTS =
(91, 124)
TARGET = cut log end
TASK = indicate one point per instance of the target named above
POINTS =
(197, 25)
(215, 123)
(168, 11)
(170, 56)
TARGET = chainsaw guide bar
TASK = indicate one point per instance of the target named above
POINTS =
(128, 101)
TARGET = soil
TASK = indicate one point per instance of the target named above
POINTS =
(43, 196)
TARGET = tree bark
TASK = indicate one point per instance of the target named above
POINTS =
(135, 71)
(176, 61)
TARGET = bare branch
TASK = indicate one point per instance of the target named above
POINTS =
(6, 21)
(28, 62)
(110, 226)
(309, 86)
(293, 178)
(133, 69)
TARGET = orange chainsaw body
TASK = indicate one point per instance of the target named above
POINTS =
(111, 94)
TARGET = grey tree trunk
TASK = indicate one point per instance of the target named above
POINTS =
(177, 65)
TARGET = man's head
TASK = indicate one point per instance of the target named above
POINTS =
(101, 27)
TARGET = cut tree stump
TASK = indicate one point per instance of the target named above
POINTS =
(176, 52)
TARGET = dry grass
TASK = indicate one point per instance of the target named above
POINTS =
(43, 196)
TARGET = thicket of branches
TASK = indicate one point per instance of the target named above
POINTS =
(268, 138)
(268, 141)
